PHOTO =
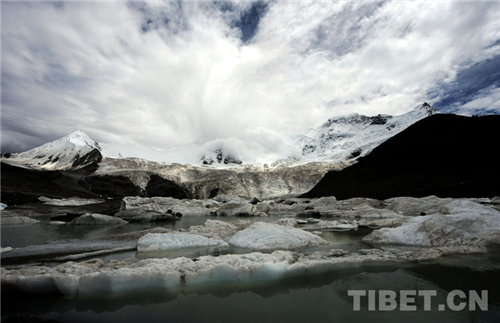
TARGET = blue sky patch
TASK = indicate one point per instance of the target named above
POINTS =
(467, 85)
(249, 20)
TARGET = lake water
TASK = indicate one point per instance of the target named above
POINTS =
(313, 298)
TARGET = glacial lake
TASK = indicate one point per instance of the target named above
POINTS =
(311, 298)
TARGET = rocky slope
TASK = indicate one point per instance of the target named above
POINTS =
(443, 155)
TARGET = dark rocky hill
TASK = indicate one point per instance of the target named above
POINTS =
(444, 155)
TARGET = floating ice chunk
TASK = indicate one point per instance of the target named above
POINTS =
(96, 219)
(315, 224)
(417, 206)
(72, 201)
(3, 206)
(214, 229)
(270, 236)
(95, 277)
(459, 223)
(167, 205)
(58, 222)
(166, 241)
(17, 220)
(6, 249)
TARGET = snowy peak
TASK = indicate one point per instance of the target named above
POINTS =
(81, 139)
(74, 151)
(219, 157)
(350, 136)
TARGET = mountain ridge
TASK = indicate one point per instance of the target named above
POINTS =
(74, 151)
(354, 135)
(443, 155)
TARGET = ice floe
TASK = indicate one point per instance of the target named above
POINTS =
(12, 219)
(140, 215)
(168, 241)
(95, 277)
(96, 219)
(270, 236)
(451, 226)
(460, 223)
(3, 206)
(72, 201)
(6, 249)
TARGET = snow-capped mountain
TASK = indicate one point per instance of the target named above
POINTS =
(350, 136)
(74, 151)
(218, 156)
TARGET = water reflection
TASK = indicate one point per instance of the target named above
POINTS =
(318, 298)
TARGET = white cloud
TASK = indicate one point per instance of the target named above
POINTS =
(190, 80)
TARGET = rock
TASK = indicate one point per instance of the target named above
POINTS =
(254, 201)
(159, 186)
(110, 185)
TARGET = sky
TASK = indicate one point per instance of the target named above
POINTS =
(171, 81)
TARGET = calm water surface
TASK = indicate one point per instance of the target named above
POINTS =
(318, 298)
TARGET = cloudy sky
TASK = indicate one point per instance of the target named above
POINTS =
(152, 79)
